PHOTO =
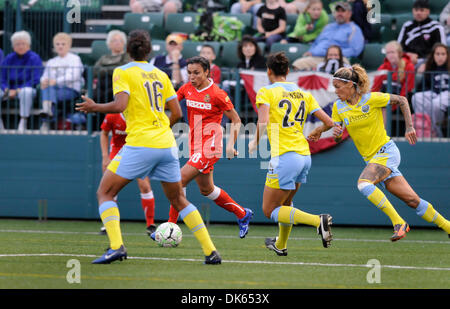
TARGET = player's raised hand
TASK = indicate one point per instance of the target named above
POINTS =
(411, 136)
(87, 106)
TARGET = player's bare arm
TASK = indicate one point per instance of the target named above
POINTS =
(327, 124)
(104, 146)
(117, 106)
(175, 111)
(263, 120)
(402, 102)
(231, 152)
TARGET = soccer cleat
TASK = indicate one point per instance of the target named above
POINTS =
(151, 229)
(111, 256)
(213, 258)
(270, 244)
(324, 230)
(102, 231)
(152, 236)
(244, 222)
(400, 231)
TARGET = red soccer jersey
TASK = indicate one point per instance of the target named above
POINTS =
(117, 124)
(205, 111)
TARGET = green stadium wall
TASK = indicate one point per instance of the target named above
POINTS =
(65, 170)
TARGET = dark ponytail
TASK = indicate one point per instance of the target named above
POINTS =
(139, 46)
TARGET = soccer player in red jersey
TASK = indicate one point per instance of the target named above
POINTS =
(116, 124)
(206, 105)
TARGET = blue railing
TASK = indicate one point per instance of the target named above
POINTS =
(429, 103)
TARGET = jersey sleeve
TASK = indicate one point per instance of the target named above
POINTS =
(380, 99)
(335, 115)
(106, 124)
(262, 97)
(224, 100)
(120, 81)
(313, 105)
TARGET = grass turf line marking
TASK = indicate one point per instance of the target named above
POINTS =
(231, 261)
(229, 236)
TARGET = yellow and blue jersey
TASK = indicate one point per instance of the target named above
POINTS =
(149, 89)
(289, 108)
(364, 122)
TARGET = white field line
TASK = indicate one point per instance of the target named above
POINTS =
(231, 261)
(230, 236)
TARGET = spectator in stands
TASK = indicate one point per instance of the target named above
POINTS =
(165, 6)
(62, 79)
(309, 24)
(208, 52)
(173, 63)
(344, 33)
(359, 17)
(250, 54)
(294, 6)
(20, 75)
(432, 93)
(419, 35)
(333, 61)
(246, 6)
(104, 67)
(270, 23)
(399, 63)
(444, 18)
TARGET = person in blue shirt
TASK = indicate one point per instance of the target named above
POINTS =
(343, 33)
(20, 74)
(1, 55)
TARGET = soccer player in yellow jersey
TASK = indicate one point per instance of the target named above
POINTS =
(283, 109)
(360, 111)
(141, 92)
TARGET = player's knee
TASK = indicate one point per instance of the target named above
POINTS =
(365, 187)
(267, 212)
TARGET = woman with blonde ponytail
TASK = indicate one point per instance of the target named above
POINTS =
(360, 111)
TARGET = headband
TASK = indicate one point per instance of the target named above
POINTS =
(345, 80)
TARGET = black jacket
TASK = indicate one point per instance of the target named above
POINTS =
(419, 37)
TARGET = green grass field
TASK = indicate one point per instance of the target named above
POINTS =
(34, 255)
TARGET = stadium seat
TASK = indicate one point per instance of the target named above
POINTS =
(191, 49)
(229, 57)
(158, 48)
(436, 6)
(246, 18)
(152, 22)
(290, 22)
(372, 56)
(386, 22)
(293, 50)
(181, 22)
(99, 48)
(397, 6)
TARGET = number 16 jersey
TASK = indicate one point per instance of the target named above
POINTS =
(289, 108)
(149, 89)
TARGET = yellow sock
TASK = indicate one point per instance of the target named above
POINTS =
(377, 197)
(283, 235)
(111, 220)
(291, 215)
(194, 222)
(432, 216)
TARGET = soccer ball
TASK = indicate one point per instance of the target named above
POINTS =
(168, 235)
